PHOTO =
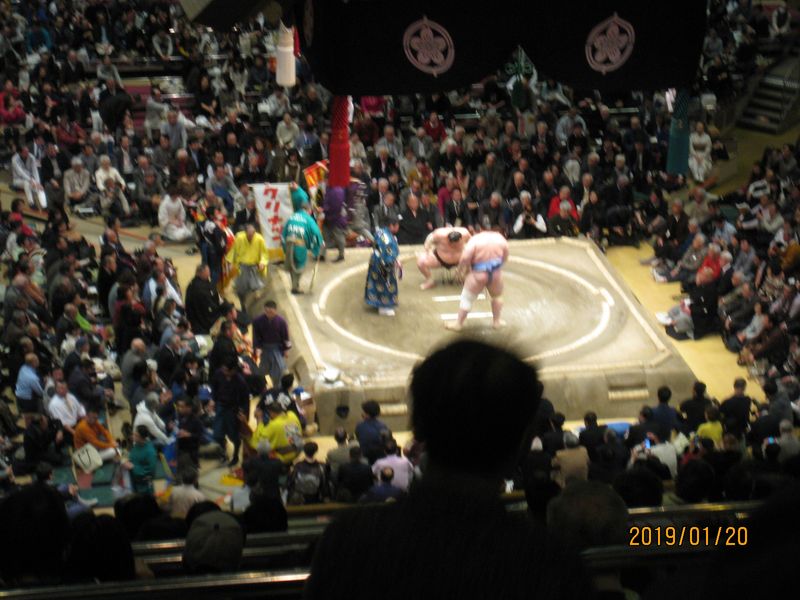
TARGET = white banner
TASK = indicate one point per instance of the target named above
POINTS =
(274, 203)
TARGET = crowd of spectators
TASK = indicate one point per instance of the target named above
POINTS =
(693, 450)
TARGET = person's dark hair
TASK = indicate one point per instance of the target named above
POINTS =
(198, 509)
(712, 413)
(44, 471)
(287, 381)
(639, 487)
(371, 408)
(558, 420)
(589, 514)
(740, 383)
(99, 550)
(664, 394)
(340, 435)
(770, 387)
(699, 389)
(355, 453)
(310, 449)
(188, 475)
(391, 447)
(454, 236)
(27, 517)
(452, 386)
(695, 481)
(270, 304)
(590, 418)
(646, 413)
(134, 510)
(143, 432)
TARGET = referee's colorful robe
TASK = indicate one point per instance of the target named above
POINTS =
(381, 289)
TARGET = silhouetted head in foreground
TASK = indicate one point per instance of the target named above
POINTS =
(466, 391)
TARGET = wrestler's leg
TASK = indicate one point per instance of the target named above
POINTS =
(473, 285)
(426, 263)
(495, 289)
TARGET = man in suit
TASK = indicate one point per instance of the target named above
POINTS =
(203, 305)
(248, 214)
(415, 223)
(54, 164)
(383, 165)
(593, 435)
(385, 212)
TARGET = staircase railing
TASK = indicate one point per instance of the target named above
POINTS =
(790, 89)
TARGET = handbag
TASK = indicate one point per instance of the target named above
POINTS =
(87, 458)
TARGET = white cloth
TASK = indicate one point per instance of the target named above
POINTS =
(67, 410)
(700, 155)
(171, 211)
(153, 423)
(102, 175)
(171, 291)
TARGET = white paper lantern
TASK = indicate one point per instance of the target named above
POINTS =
(285, 69)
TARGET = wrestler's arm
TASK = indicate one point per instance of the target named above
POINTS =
(466, 258)
(430, 241)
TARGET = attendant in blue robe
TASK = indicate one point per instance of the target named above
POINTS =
(381, 289)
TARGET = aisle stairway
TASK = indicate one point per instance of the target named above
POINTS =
(773, 108)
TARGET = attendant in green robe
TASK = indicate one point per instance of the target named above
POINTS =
(142, 461)
(300, 236)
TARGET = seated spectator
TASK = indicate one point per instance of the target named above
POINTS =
(66, 409)
(591, 515)
(30, 515)
(172, 219)
(184, 496)
(99, 550)
(639, 487)
(712, 428)
(384, 490)
(214, 544)
(402, 469)
(354, 477)
(91, 431)
(308, 482)
(571, 463)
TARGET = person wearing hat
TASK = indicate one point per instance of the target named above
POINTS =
(384, 264)
(214, 544)
(300, 236)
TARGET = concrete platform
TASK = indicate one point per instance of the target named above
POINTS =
(567, 310)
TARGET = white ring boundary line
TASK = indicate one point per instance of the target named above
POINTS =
(654, 337)
(598, 330)
(298, 313)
